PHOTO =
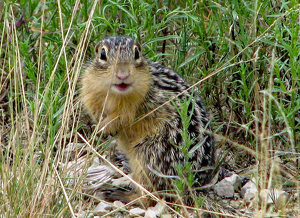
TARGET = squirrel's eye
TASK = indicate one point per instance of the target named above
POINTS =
(103, 55)
(136, 53)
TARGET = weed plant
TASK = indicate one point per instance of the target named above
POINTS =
(242, 55)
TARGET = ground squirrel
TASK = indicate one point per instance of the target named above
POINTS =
(122, 91)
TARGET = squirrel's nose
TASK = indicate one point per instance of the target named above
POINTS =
(123, 75)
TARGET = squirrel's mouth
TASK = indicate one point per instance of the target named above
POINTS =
(122, 87)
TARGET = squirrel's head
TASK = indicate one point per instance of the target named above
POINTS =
(119, 64)
(118, 78)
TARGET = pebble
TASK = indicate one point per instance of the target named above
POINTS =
(249, 191)
(153, 212)
(227, 186)
(102, 208)
(118, 204)
(137, 211)
(274, 196)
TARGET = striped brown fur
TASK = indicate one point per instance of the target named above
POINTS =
(122, 91)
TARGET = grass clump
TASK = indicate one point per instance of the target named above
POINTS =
(242, 55)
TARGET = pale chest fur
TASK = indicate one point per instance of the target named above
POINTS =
(131, 128)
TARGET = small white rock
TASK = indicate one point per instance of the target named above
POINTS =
(224, 188)
(274, 196)
(227, 186)
(153, 212)
(150, 213)
(249, 191)
(102, 208)
(137, 211)
(118, 204)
